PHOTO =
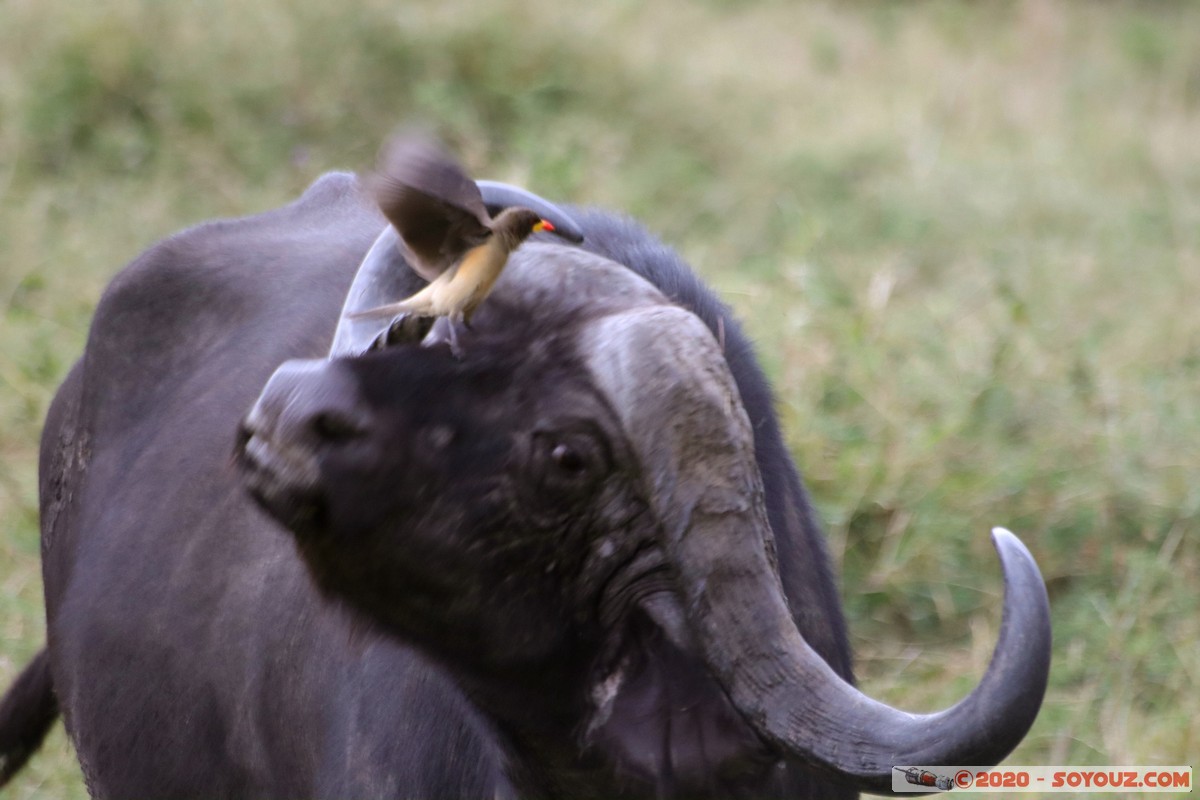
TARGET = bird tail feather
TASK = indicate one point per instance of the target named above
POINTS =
(417, 303)
(383, 312)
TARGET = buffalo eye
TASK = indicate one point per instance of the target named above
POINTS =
(567, 459)
(567, 462)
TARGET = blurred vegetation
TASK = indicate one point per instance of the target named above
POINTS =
(965, 237)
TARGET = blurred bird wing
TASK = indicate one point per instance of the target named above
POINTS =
(436, 233)
(437, 209)
(417, 160)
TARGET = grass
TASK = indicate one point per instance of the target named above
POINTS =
(966, 239)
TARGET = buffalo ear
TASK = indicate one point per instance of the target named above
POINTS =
(663, 720)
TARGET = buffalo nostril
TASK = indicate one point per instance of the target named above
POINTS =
(335, 427)
(306, 406)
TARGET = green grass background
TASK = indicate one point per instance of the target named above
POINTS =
(966, 238)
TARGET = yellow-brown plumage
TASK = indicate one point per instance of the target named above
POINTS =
(449, 237)
(458, 291)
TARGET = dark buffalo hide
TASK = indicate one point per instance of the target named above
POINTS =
(192, 655)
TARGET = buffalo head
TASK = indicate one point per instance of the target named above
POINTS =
(570, 516)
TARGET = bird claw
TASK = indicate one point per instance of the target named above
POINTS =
(406, 328)
(410, 328)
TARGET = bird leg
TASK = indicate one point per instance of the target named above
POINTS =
(455, 348)
(444, 331)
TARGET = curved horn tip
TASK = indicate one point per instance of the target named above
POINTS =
(1005, 541)
(1011, 550)
(999, 532)
(1026, 614)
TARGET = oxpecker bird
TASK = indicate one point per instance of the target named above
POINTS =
(451, 239)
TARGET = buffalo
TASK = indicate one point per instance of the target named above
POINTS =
(571, 558)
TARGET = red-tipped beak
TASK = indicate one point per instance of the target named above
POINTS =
(543, 225)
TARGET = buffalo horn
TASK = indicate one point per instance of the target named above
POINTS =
(665, 375)
(499, 196)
